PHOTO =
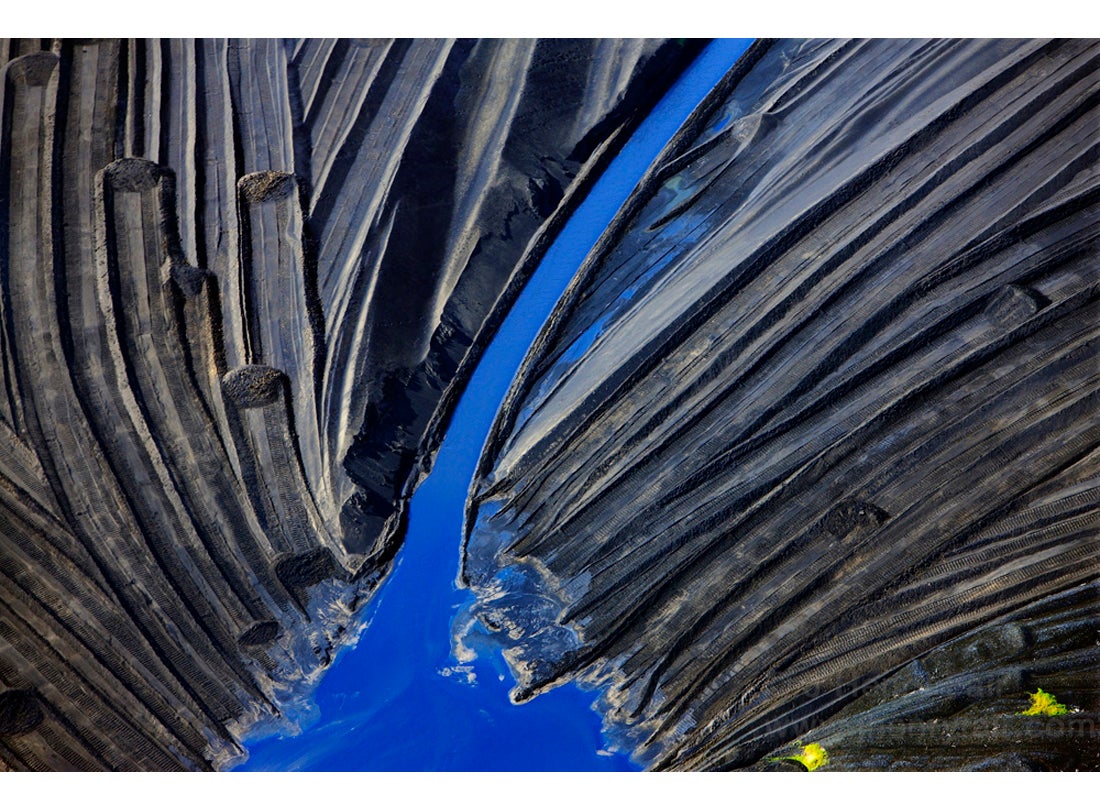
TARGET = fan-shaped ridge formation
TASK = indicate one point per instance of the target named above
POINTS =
(809, 452)
(238, 279)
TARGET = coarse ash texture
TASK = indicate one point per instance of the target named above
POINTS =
(241, 285)
(810, 451)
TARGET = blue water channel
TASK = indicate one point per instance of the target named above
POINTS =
(398, 700)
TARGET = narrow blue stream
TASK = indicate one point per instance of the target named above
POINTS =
(398, 701)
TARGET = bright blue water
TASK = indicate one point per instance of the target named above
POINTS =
(398, 701)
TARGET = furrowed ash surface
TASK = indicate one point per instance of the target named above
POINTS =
(820, 408)
(239, 280)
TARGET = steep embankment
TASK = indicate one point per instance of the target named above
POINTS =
(818, 417)
(238, 279)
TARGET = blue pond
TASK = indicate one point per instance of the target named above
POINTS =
(399, 701)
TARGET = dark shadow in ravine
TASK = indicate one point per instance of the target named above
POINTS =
(399, 700)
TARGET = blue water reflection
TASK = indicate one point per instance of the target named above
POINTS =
(399, 701)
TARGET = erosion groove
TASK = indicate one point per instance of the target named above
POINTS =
(241, 285)
(809, 451)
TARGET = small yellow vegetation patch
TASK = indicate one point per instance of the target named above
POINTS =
(812, 756)
(1044, 703)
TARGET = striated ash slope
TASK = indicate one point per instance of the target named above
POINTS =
(810, 450)
(240, 284)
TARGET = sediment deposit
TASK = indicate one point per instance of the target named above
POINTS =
(241, 283)
(809, 453)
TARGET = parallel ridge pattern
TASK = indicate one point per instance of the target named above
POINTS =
(924, 717)
(145, 624)
(433, 206)
(199, 270)
(824, 399)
